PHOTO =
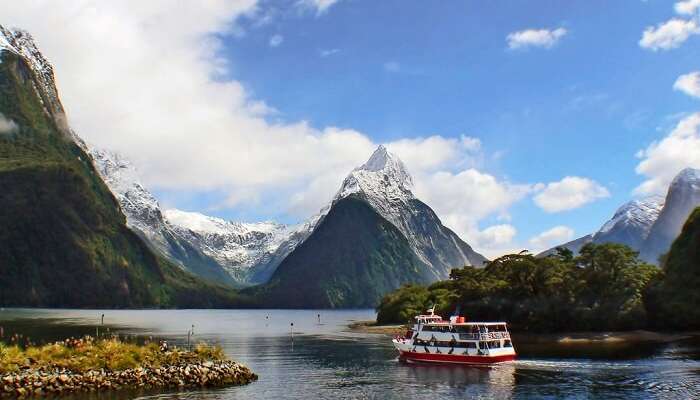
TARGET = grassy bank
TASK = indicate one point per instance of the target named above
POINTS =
(90, 364)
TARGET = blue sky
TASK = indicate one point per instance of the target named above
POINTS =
(525, 123)
(583, 107)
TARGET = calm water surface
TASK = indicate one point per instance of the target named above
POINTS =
(326, 361)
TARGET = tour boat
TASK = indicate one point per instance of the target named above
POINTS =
(457, 341)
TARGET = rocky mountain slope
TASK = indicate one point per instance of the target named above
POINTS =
(234, 253)
(64, 239)
(144, 216)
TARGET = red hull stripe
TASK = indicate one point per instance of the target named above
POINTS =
(455, 358)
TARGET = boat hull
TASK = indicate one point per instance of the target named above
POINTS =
(454, 358)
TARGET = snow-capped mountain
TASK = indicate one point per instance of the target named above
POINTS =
(682, 198)
(648, 225)
(21, 43)
(237, 253)
(373, 237)
(630, 225)
(245, 250)
(385, 183)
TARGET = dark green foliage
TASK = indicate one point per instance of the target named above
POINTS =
(352, 259)
(64, 241)
(599, 290)
(674, 301)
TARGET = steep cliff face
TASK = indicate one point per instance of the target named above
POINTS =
(682, 198)
(65, 241)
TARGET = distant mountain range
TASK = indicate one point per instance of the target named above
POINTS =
(252, 253)
(79, 229)
(648, 225)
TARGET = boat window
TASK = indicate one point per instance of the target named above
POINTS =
(507, 343)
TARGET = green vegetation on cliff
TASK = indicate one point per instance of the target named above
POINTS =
(65, 242)
(674, 301)
(601, 289)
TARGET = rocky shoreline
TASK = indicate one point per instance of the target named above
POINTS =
(52, 382)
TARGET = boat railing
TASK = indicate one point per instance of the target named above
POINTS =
(484, 336)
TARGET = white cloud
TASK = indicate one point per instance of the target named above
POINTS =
(464, 198)
(569, 193)
(688, 7)
(320, 7)
(496, 236)
(552, 237)
(7, 125)
(662, 160)
(431, 153)
(276, 40)
(689, 84)
(544, 38)
(669, 35)
(144, 79)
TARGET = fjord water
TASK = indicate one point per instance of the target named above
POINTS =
(323, 361)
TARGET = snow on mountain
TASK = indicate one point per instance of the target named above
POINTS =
(385, 183)
(649, 225)
(199, 243)
(22, 43)
(630, 225)
(240, 248)
(639, 213)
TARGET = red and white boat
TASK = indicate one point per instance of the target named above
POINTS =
(456, 341)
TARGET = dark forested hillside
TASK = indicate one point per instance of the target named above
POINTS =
(351, 259)
(674, 302)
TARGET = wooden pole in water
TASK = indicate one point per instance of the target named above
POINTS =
(291, 329)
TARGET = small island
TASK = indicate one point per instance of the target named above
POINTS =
(105, 364)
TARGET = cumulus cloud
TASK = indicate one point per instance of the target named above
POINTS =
(320, 7)
(144, 79)
(552, 237)
(543, 38)
(669, 35)
(7, 125)
(276, 40)
(663, 159)
(426, 154)
(688, 7)
(689, 84)
(464, 198)
(569, 193)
